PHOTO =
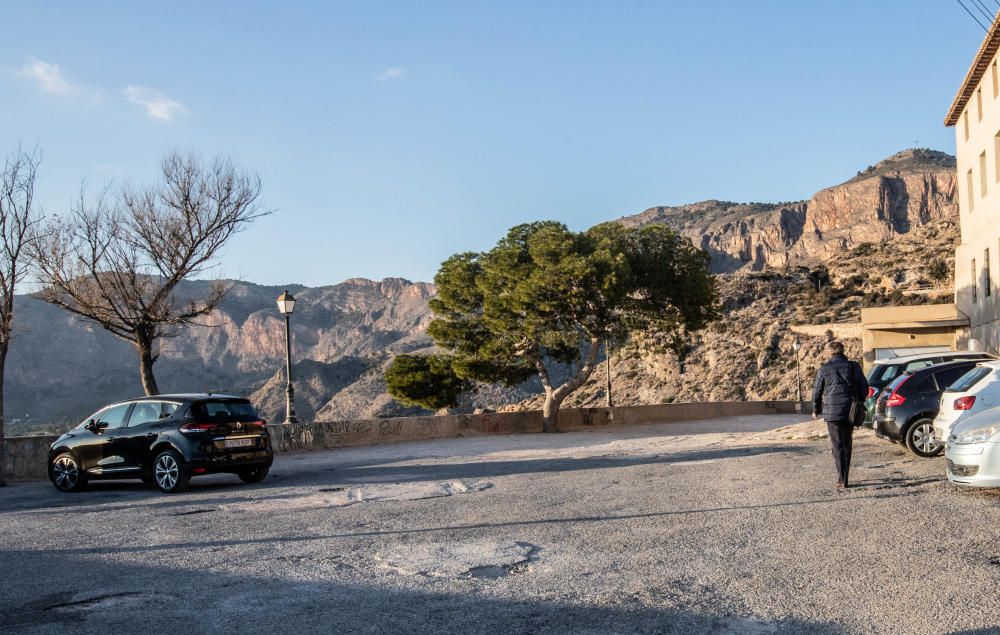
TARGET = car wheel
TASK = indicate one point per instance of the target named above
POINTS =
(65, 473)
(920, 439)
(169, 472)
(255, 475)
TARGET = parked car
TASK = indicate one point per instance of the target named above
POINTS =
(906, 409)
(976, 391)
(973, 450)
(885, 371)
(164, 440)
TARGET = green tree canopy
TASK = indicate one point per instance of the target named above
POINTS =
(427, 381)
(545, 295)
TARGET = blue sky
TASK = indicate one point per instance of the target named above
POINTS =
(390, 135)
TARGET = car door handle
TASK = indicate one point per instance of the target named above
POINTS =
(150, 435)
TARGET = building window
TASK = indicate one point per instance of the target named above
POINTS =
(982, 174)
(974, 281)
(996, 155)
(965, 123)
(979, 104)
(987, 290)
(996, 87)
(968, 183)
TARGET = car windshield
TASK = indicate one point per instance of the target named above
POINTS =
(882, 374)
(241, 410)
(969, 379)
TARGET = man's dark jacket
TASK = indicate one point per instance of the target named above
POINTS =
(838, 382)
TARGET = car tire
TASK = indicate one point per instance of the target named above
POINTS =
(66, 474)
(170, 473)
(920, 439)
(256, 475)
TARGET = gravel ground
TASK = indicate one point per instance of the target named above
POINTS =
(718, 526)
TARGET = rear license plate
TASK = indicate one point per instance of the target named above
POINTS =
(239, 443)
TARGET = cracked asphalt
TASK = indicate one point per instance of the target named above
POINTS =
(709, 527)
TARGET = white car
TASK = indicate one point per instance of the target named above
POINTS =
(973, 451)
(974, 392)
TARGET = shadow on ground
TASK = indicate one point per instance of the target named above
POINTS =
(135, 597)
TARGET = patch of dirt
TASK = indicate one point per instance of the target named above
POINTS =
(342, 497)
(489, 560)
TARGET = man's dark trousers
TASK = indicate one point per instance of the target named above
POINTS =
(841, 437)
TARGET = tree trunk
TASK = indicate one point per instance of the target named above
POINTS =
(3, 424)
(146, 359)
(550, 414)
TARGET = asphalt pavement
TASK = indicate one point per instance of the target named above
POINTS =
(709, 527)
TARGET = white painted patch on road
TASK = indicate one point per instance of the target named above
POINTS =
(363, 494)
(477, 559)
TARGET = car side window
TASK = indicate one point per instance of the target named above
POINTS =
(114, 417)
(924, 363)
(168, 409)
(924, 385)
(144, 412)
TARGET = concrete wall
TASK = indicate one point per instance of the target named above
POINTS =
(27, 457)
(334, 434)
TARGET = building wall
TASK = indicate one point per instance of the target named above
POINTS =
(977, 142)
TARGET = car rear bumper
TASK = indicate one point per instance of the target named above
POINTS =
(974, 465)
(886, 427)
(231, 461)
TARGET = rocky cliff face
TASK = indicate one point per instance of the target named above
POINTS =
(907, 190)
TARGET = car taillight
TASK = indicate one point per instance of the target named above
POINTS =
(871, 392)
(964, 403)
(895, 399)
(197, 427)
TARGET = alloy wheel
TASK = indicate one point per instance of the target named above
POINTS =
(167, 471)
(923, 438)
(65, 472)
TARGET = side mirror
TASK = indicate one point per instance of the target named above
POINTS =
(97, 426)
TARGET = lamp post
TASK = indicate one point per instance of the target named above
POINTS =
(798, 377)
(607, 353)
(286, 303)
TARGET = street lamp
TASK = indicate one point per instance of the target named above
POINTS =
(798, 377)
(607, 353)
(286, 303)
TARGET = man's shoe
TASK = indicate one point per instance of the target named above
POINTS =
(841, 485)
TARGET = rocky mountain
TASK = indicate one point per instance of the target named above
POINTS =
(61, 367)
(885, 236)
(907, 190)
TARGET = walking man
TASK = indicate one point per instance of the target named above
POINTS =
(839, 382)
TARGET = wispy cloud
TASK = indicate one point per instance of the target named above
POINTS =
(157, 105)
(50, 79)
(393, 72)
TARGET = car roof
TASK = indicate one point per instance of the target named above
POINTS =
(915, 358)
(971, 363)
(192, 396)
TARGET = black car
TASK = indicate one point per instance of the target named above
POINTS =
(906, 408)
(165, 440)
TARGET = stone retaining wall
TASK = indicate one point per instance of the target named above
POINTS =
(334, 434)
(27, 458)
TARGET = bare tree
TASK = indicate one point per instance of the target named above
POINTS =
(17, 230)
(117, 260)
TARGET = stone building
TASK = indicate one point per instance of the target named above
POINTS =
(975, 115)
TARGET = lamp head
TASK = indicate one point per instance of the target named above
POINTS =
(286, 303)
